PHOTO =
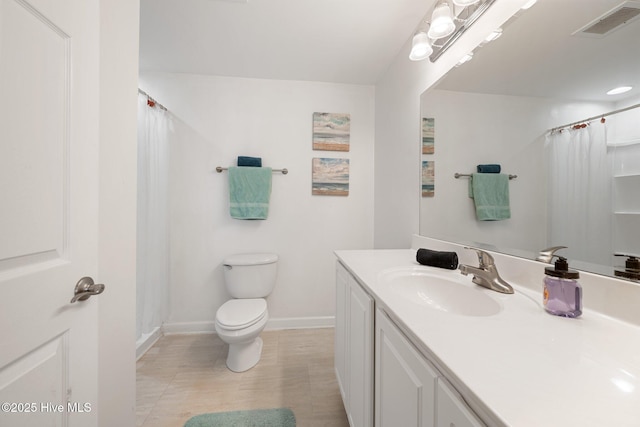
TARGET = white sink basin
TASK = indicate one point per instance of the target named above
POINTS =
(449, 293)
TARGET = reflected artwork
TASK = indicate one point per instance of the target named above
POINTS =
(428, 135)
(428, 178)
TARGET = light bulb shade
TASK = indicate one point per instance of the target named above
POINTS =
(442, 24)
(465, 3)
(420, 47)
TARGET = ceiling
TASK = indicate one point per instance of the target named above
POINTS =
(340, 41)
(538, 55)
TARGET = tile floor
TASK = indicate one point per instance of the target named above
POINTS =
(185, 375)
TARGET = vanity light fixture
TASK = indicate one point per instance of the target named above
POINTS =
(442, 24)
(619, 90)
(448, 19)
(528, 4)
(420, 47)
(465, 3)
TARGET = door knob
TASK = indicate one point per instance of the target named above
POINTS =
(85, 288)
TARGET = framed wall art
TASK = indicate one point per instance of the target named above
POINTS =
(331, 131)
(330, 177)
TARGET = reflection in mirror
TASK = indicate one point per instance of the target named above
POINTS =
(575, 187)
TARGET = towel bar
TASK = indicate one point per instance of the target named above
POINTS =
(284, 171)
(458, 175)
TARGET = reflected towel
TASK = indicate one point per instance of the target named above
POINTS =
(249, 192)
(491, 168)
(490, 192)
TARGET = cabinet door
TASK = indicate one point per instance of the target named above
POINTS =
(405, 382)
(340, 345)
(451, 409)
(354, 348)
(360, 355)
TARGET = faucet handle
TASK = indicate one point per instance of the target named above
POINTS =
(546, 255)
(632, 262)
(484, 258)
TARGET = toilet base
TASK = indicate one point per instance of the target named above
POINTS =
(244, 356)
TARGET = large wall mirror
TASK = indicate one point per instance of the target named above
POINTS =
(576, 187)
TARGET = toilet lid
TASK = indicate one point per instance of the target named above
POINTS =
(241, 313)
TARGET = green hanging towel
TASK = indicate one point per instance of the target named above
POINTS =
(249, 192)
(490, 193)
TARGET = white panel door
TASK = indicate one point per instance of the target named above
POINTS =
(49, 57)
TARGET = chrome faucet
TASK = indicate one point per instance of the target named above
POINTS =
(486, 274)
(546, 255)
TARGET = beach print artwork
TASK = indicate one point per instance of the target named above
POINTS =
(330, 177)
(428, 135)
(428, 178)
(331, 131)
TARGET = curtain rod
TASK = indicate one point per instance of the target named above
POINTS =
(599, 116)
(150, 99)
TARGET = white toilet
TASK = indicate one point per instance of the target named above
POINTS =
(249, 278)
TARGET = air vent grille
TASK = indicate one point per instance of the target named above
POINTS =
(612, 20)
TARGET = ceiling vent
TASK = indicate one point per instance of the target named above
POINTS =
(613, 20)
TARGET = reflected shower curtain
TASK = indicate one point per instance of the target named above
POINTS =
(153, 223)
(579, 191)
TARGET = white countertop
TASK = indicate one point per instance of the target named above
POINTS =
(521, 367)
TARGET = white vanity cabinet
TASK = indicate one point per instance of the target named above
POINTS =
(405, 381)
(354, 348)
(404, 387)
(409, 391)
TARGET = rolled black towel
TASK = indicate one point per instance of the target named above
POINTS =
(250, 161)
(493, 168)
(448, 260)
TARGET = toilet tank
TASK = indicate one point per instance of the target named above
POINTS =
(250, 275)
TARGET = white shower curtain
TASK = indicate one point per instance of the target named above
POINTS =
(579, 190)
(153, 222)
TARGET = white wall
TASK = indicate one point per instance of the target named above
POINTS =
(219, 118)
(397, 181)
(397, 157)
(473, 129)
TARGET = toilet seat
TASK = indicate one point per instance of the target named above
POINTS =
(241, 313)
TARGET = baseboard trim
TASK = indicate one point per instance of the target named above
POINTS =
(301, 323)
(208, 327)
(175, 328)
(146, 341)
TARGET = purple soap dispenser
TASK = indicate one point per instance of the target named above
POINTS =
(562, 292)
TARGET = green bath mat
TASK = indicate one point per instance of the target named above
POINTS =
(279, 417)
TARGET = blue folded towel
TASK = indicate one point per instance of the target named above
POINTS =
(249, 192)
(250, 161)
(490, 194)
(489, 168)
